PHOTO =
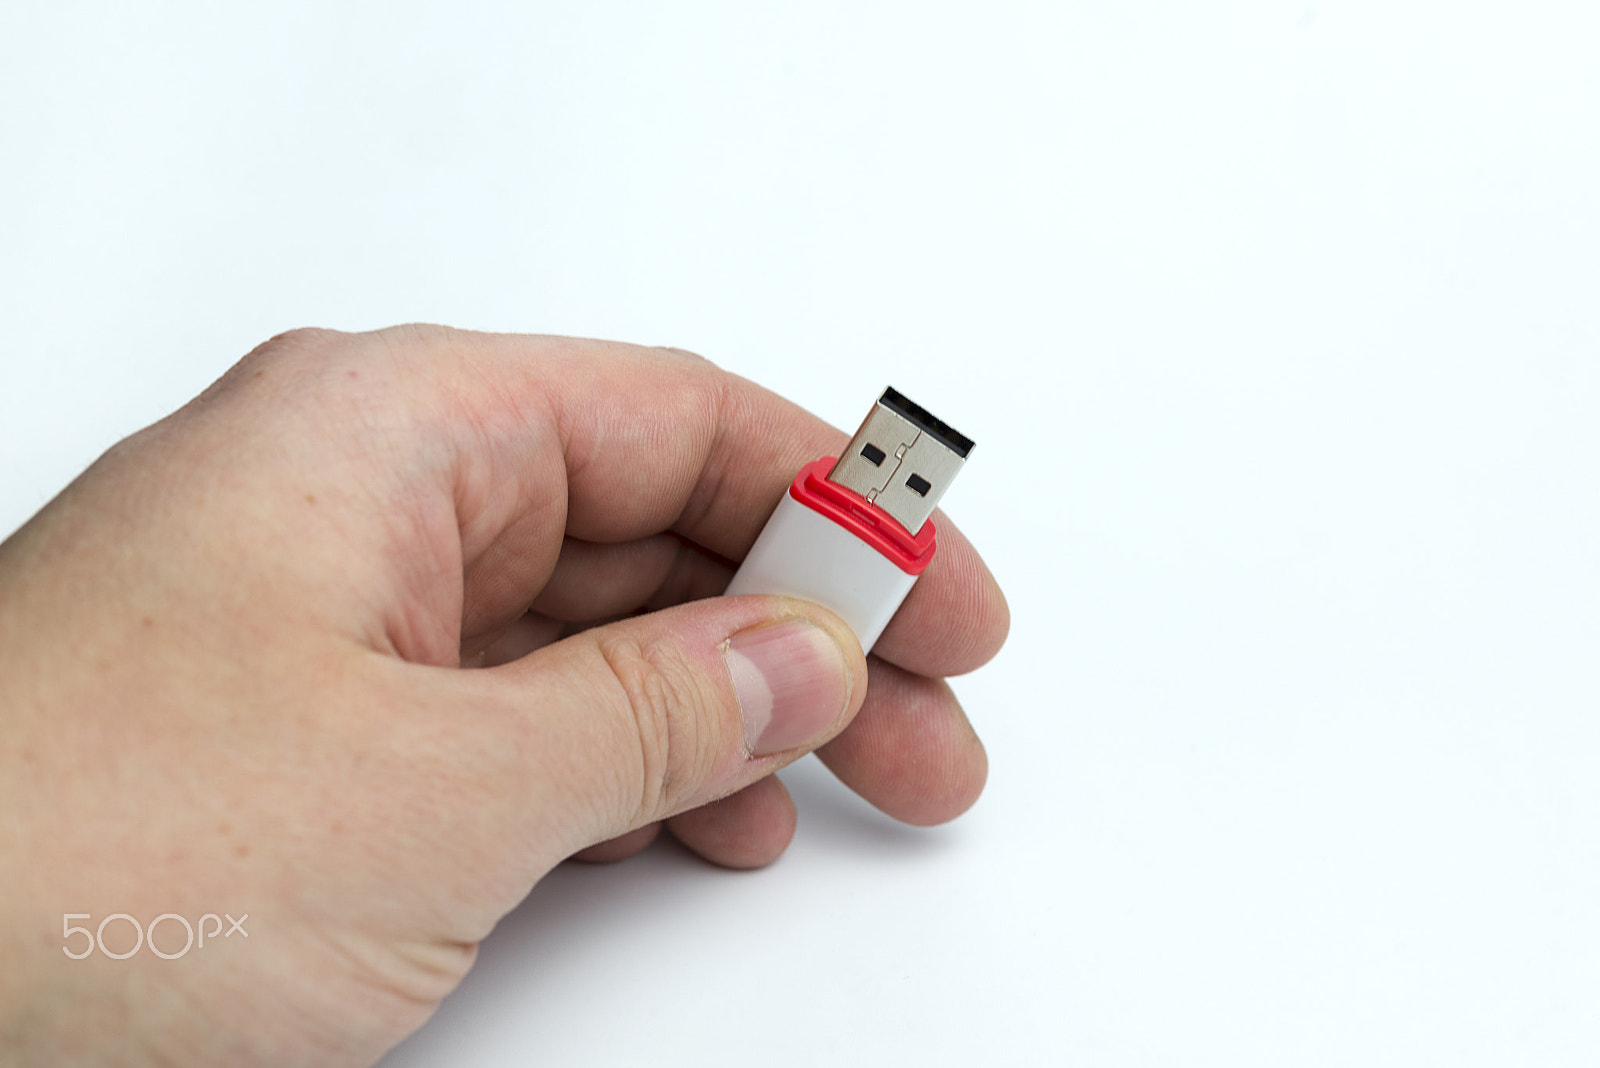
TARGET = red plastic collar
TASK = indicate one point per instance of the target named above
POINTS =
(909, 552)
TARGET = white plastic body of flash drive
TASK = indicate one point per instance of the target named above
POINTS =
(823, 549)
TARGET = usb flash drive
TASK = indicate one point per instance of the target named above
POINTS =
(853, 534)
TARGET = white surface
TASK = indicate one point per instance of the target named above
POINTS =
(1276, 324)
(802, 553)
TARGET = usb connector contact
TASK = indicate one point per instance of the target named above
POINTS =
(902, 459)
(853, 534)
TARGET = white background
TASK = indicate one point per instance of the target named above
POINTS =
(1277, 326)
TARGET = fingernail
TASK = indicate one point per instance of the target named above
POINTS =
(792, 680)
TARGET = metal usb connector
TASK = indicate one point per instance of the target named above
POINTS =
(902, 459)
(853, 533)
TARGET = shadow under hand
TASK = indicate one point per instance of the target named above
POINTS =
(553, 964)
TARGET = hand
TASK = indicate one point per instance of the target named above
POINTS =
(231, 680)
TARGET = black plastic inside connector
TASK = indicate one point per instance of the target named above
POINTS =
(919, 485)
(927, 422)
(873, 455)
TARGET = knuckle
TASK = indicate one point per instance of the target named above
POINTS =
(285, 353)
(265, 368)
(301, 337)
(301, 341)
(662, 701)
(405, 336)
(682, 354)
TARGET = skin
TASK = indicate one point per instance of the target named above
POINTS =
(374, 633)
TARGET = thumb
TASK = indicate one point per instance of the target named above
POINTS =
(651, 716)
